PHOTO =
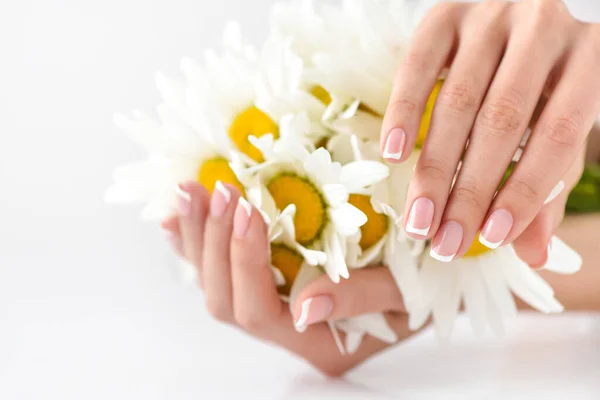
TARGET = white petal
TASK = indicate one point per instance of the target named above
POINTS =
(404, 269)
(375, 325)
(474, 293)
(335, 266)
(278, 276)
(446, 302)
(347, 219)
(335, 194)
(360, 174)
(562, 259)
(353, 341)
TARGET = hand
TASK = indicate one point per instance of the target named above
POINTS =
(505, 60)
(226, 240)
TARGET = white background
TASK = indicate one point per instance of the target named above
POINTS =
(90, 304)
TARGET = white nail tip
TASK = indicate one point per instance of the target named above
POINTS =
(182, 193)
(560, 186)
(415, 231)
(444, 259)
(300, 324)
(489, 244)
(392, 156)
(247, 207)
(387, 154)
(223, 190)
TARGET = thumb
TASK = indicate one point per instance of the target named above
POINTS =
(368, 290)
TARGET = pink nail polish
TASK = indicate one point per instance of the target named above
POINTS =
(184, 201)
(314, 309)
(220, 200)
(394, 145)
(420, 217)
(241, 219)
(496, 229)
(447, 242)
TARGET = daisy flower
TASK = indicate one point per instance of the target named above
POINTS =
(484, 282)
(205, 122)
(320, 189)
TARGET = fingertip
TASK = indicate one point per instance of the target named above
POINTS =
(170, 224)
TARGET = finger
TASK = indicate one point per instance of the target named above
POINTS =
(256, 303)
(192, 202)
(556, 142)
(533, 245)
(172, 233)
(498, 131)
(216, 271)
(367, 291)
(472, 70)
(428, 53)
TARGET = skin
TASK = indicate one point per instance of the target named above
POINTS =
(240, 291)
(505, 61)
(490, 94)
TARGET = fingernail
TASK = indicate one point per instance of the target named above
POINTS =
(394, 144)
(560, 186)
(241, 219)
(314, 310)
(184, 201)
(447, 242)
(496, 229)
(220, 200)
(420, 217)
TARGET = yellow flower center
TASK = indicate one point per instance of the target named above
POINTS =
(476, 249)
(251, 122)
(323, 95)
(218, 169)
(426, 120)
(377, 224)
(311, 208)
(289, 262)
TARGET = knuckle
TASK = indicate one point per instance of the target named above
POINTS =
(434, 169)
(523, 188)
(563, 132)
(468, 194)
(252, 321)
(458, 98)
(416, 62)
(405, 103)
(504, 116)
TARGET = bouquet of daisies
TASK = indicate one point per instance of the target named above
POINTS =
(295, 125)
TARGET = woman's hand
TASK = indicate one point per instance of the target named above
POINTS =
(226, 239)
(505, 61)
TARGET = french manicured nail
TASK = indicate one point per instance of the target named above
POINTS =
(560, 186)
(241, 219)
(220, 200)
(184, 201)
(394, 144)
(447, 242)
(420, 217)
(496, 229)
(314, 310)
